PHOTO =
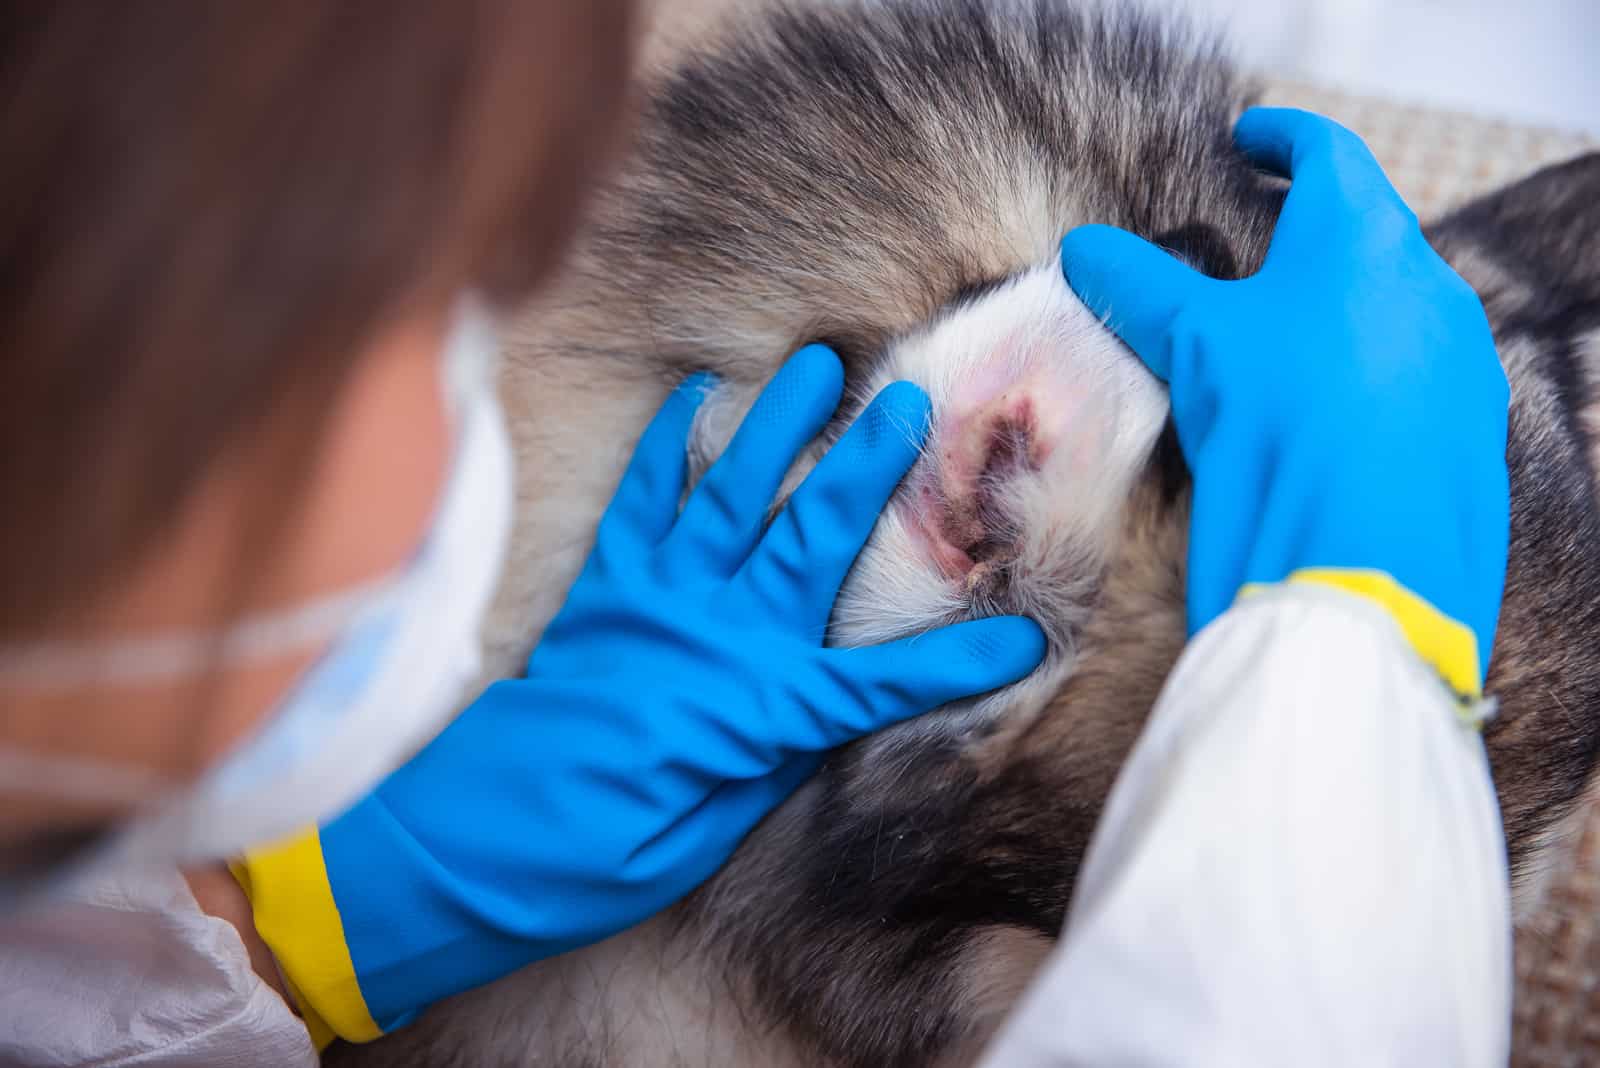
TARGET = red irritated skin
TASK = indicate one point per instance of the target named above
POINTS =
(957, 508)
(1041, 421)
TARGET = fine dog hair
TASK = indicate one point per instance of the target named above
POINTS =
(893, 177)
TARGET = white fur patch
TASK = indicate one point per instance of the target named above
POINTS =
(1097, 412)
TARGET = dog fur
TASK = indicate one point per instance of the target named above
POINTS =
(892, 178)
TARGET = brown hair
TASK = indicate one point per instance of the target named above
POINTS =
(206, 208)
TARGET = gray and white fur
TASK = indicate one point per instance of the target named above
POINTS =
(893, 177)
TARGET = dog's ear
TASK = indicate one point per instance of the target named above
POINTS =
(1532, 252)
(1543, 234)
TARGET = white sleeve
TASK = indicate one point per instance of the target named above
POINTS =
(1301, 863)
(132, 973)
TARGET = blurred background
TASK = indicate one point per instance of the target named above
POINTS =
(1526, 61)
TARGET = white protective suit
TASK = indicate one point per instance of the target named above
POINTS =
(1301, 864)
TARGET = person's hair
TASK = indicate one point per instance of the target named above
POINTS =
(206, 208)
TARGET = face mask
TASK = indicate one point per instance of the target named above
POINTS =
(403, 651)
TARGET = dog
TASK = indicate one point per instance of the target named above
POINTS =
(893, 178)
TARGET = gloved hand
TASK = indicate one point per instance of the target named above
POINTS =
(682, 691)
(1343, 411)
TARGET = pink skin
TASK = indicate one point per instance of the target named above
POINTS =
(952, 510)
(1028, 408)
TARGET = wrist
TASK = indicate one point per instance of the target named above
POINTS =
(297, 919)
(417, 926)
(219, 894)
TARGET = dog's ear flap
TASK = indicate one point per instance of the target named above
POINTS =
(1541, 234)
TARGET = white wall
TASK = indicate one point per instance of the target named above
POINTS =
(1536, 61)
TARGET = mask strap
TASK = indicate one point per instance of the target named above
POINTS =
(75, 779)
(179, 654)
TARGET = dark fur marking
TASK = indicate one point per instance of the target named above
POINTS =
(1203, 247)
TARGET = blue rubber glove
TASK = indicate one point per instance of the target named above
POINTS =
(1343, 411)
(680, 694)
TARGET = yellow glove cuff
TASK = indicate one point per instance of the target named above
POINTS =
(295, 914)
(1450, 647)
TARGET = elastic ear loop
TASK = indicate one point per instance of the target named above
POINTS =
(177, 654)
(73, 778)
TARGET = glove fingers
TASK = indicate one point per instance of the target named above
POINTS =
(723, 518)
(646, 502)
(1134, 286)
(1326, 163)
(883, 684)
(810, 546)
(1284, 140)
